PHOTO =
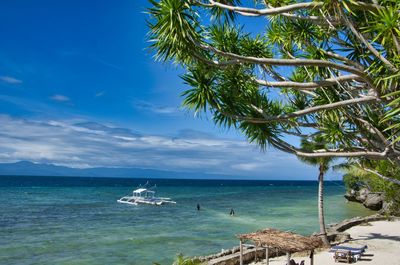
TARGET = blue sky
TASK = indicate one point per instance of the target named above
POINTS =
(79, 88)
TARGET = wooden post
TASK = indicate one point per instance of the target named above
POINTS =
(312, 257)
(267, 255)
(288, 258)
(255, 253)
(241, 252)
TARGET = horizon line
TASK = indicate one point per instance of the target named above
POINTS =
(166, 178)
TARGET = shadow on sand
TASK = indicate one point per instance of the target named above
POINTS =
(378, 236)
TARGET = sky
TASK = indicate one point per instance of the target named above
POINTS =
(80, 88)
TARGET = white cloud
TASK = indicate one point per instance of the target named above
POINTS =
(10, 80)
(88, 144)
(60, 98)
(248, 166)
(159, 109)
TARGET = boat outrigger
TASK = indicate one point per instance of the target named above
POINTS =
(144, 195)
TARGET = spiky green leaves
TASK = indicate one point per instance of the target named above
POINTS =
(230, 92)
(222, 15)
(201, 80)
(315, 144)
(173, 30)
(384, 28)
(232, 39)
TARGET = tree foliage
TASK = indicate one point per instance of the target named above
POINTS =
(360, 175)
(327, 69)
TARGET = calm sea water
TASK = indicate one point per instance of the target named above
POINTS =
(46, 220)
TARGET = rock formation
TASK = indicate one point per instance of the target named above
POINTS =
(371, 200)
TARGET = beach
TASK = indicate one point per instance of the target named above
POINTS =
(381, 237)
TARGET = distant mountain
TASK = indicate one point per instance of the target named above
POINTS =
(25, 168)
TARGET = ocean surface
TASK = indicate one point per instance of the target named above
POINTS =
(56, 220)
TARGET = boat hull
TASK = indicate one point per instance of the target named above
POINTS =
(126, 202)
(136, 201)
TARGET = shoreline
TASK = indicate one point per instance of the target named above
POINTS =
(338, 233)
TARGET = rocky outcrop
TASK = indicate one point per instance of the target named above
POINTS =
(371, 200)
(362, 195)
(374, 201)
(387, 208)
(351, 196)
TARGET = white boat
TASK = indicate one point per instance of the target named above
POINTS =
(144, 195)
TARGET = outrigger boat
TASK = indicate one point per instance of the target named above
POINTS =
(144, 195)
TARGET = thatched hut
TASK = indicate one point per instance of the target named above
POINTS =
(286, 242)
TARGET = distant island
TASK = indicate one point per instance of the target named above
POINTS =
(26, 168)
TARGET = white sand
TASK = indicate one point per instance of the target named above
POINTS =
(381, 237)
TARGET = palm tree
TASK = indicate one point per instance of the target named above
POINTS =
(323, 164)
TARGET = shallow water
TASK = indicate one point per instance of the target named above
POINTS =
(78, 221)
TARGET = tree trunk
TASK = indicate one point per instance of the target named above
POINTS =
(321, 215)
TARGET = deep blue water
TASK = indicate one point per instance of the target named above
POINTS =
(41, 181)
(72, 220)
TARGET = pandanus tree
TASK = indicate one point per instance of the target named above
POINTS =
(327, 68)
(323, 163)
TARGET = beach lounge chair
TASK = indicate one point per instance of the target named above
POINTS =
(343, 255)
(347, 254)
(352, 249)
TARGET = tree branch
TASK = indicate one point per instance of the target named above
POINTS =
(314, 19)
(284, 146)
(342, 58)
(310, 85)
(375, 131)
(245, 11)
(318, 108)
(286, 117)
(396, 42)
(282, 62)
(369, 46)
(395, 181)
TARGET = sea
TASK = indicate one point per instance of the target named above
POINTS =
(74, 220)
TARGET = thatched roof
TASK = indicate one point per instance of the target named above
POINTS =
(282, 241)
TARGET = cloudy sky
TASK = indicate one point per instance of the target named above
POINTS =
(79, 88)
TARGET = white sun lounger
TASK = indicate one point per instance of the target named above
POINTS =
(345, 252)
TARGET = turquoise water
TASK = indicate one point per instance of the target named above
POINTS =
(78, 221)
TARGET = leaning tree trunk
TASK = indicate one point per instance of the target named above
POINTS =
(321, 215)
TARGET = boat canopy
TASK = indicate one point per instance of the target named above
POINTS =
(146, 192)
(140, 190)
